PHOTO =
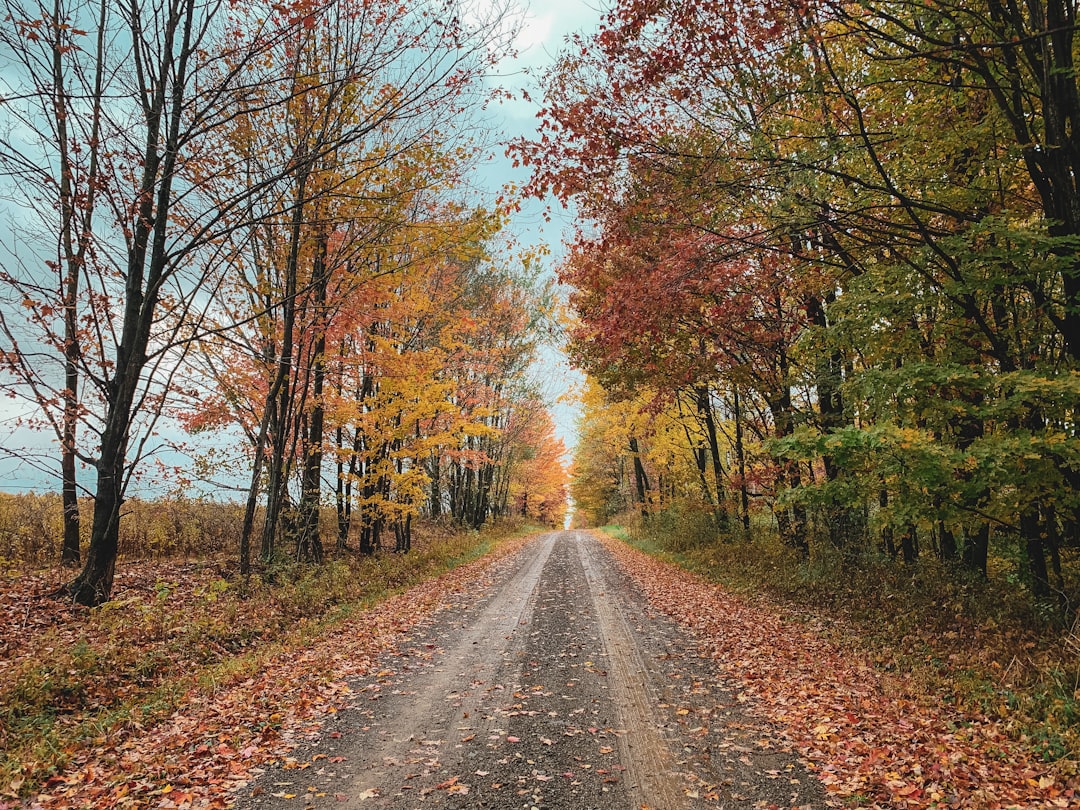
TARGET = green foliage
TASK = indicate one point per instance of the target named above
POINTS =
(867, 235)
(680, 529)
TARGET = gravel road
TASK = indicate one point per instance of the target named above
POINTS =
(550, 684)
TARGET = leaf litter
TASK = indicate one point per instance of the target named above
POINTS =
(226, 734)
(875, 740)
(868, 737)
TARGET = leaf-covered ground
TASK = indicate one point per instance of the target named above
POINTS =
(222, 729)
(871, 737)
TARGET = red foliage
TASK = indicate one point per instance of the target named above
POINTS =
(664, 301)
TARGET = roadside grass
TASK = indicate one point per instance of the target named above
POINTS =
(980, 646)
(69, 677)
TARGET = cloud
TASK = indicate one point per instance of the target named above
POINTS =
(534, 34)
(546, 25)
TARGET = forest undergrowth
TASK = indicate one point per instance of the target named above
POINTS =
(971, 644)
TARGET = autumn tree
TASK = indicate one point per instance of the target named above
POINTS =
(535, 478)
(374, 123)
(136, 93)
(166, 88)
(495, 345)
(877, 177)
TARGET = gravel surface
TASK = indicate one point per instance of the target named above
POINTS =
(549, 684)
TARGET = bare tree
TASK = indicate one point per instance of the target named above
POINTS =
(57, 172)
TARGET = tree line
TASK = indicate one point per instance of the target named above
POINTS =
(255, 217)
(829, 265)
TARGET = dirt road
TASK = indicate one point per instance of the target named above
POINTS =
(551, 685)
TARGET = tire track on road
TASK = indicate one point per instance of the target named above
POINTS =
(646, 754)
(546, 684)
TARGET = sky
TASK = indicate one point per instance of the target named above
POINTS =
(545, 25)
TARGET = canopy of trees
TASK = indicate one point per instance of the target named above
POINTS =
(830, 266)
(253, 217)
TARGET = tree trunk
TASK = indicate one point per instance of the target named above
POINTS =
(977, 549)
(740, 458)
(147, 266)
(403, 534)
(947, 550)
(641, 480)
(253, 488)
(308, 542)
(93, 585)
(887, 542)
(799, 538)
(1031, 532)
(76, 230)
(435, 474)
(705, 409)
(340, 502)
(909, 545)
(827, 378)
(69, 553)
(346, 473)
(369, 520)
(275, 488)
(700, 455)
(793, 529)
